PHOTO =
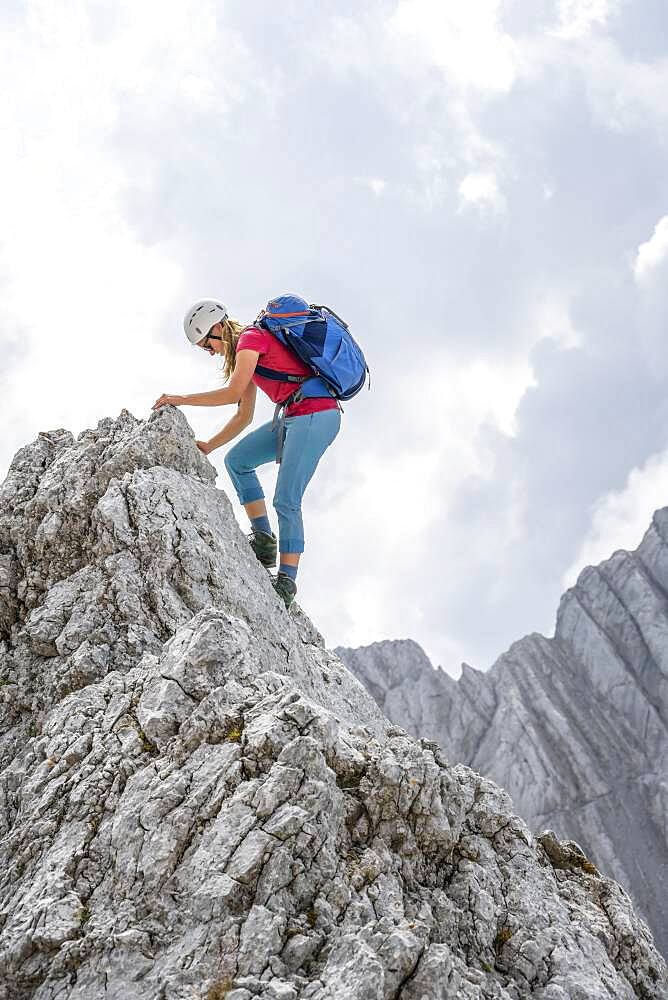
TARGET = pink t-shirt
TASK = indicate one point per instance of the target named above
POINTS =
(274, 355)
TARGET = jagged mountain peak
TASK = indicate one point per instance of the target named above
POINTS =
(470, 676)
(197, 800)
(575, 727)
(408, 656)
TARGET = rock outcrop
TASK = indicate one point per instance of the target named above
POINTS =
(197, 800)
(575, 728)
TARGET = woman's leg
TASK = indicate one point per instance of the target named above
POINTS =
(307, 438)
(256, 508)
(255, 449)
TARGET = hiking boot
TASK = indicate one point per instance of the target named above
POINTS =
(285, 587)
(264, 546)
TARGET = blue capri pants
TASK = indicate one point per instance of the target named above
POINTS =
(307, 437)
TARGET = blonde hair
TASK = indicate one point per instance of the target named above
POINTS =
(230, 332)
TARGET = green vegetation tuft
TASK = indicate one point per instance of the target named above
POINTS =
(586, 866)
(233, 731)
(219, 990)
(348, 783)
(503, 936)
(147, 745)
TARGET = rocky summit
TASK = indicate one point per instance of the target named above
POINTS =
(198, 801)
(575, 727)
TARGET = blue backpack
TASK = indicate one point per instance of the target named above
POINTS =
(322, 341)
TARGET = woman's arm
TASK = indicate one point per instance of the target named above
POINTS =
(247, 403)
(241, 419)
(232, 393)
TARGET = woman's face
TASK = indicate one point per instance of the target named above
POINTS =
(212, 346)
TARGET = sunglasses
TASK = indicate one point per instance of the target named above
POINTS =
(206, 345)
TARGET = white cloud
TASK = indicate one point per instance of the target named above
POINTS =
(464, 40)
(388, 507)
(619, 519)
(450, 60)
(577, 18)
(84, 299)
(550, 318)
(482, 191)
(374, 184)
(652, 253)
(625, 92)
(626, 95)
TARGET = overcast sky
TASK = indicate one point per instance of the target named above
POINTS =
(480, 189)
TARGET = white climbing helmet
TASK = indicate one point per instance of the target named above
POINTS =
(201, 317)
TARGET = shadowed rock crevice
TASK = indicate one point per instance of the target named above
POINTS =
(197, 800)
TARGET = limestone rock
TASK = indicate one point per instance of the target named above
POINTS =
(197, 800)
(574, 727)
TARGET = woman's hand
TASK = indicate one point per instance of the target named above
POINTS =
(204, 446)
(166, 400)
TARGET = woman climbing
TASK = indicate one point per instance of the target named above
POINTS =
(306, 428)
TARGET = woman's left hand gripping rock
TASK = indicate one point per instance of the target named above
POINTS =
(167, 400)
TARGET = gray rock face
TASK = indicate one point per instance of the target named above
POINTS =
(575, 728)
(197, 800)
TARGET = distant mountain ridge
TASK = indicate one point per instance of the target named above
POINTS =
(574, 727)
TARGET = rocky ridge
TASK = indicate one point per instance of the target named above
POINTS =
(197, 799)
(575, 728)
